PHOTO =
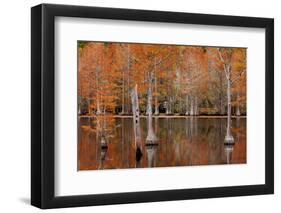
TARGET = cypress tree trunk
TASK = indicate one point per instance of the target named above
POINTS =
(149, 96)
(136, 116)
(151, 137)
(228, 138)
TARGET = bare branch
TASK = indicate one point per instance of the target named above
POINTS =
(221, 58)
(224, 65)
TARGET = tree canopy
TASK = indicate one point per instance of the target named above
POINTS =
(185, 80)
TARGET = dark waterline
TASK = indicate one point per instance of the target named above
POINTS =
(109, 143)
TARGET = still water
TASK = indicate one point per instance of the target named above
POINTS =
(109, 143)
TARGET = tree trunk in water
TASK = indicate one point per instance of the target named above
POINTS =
(151, 137)
(228, 138)
(136, 116)
(136, 121)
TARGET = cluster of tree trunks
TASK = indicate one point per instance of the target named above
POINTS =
(183, 80)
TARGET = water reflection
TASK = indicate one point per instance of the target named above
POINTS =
(151, 155)
(138, 157)
(228, 149)
(109, 143)
(102, 156)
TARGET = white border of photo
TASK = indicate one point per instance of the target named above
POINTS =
(69, 181)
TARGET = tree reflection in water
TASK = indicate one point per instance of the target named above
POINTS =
(228, 149)
(151, 155)
(109, 143)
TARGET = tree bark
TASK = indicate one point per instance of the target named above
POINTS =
(149, 96)
(228, 138)
(136, 116)
(227, 69)
(221, 96)
(151, 137)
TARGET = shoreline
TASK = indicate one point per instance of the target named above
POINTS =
(165, 116)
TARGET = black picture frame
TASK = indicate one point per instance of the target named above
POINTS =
(43, 102)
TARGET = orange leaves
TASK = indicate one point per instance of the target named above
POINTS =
(108, 71)
(194, 68)
(98, 74)
(239, 75)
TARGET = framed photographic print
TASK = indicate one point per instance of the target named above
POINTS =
(140, 106)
